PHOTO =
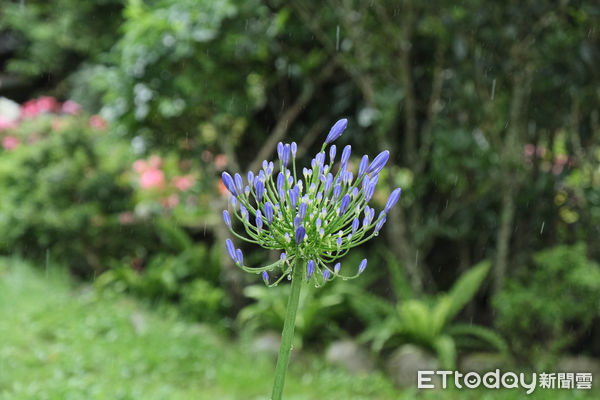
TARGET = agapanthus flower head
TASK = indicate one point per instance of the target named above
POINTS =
(314, 218)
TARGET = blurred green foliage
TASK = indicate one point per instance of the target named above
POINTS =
(429, 322)
(550, 304)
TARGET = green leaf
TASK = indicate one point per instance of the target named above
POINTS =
(465, 288)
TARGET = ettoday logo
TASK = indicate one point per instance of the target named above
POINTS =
(472, 380)
(508, 380)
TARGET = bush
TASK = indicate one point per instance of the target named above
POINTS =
(63, 191)
(548, 306)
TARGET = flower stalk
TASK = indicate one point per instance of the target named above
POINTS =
(287, 335)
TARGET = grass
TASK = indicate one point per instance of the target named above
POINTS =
(60, 341)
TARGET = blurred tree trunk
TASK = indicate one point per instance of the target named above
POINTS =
(511, 150)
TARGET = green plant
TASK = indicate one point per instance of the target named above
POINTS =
(429, 323)
(317, 310)
(549, 304)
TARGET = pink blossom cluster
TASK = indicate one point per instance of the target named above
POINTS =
(151, 176)
(41, 106)
(48, 104)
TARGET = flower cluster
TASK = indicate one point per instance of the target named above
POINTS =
(315, 217)
(28, 120)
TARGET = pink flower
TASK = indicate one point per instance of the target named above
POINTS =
(10, 142)
(184, 182)
(152, 178)
(46, 104)
(126, 218)
(140, 166)
(29, 109)
(221, 161)
(171, 201)
(97, 122)
(70, 107)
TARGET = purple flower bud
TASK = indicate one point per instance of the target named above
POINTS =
(247, 190)
(394, 196)
(320, 158)
(355, 192)
(250, 178)
(282, 256)
(380, 222)
(244, 212)
(265, 276)
(369, 192)
(332, 151)
(228, 181)
(262, 176)
(368, 216)
(286, 155)
(310, 268)
(294, 148)
(336, 130)
(326, 274)
(328, 183)
(374, 179)
(259, 221)
(348, 176)
(233, 202)
(259, 189)
(338, 241)
(269, 212)
(227, 218)
(362, 266)
(300, 234)
(337, 189)
(231, 249)
(362, 167)
(344, 204)
(336, 268)
(355, 224)
(365, 183)
(346, 154)
(238, 182)
(280, 150)
(280, 181)
(297, 221)
(379, 162)
(302, 210)
(294, 193)
(318, 223)
(239, 256)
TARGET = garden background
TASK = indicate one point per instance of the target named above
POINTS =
(117, 119)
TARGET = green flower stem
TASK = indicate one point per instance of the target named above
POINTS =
(288, 330)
